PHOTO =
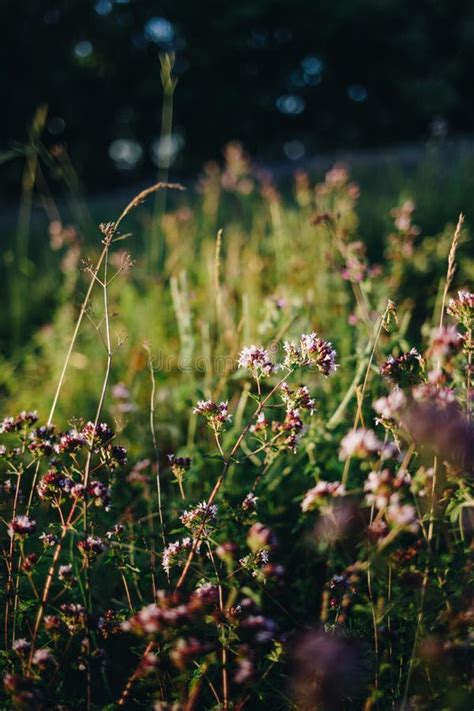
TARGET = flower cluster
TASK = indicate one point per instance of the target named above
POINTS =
(439, 397)
(169, 612)
(23, 690)
(65, 573)
(316, 351)
(311, 351)
(43, 658)
(49, 539)
(73, 616)
(70, 441)
(402, 515)
(298, 398)
(253, 624)
(250, 502)
(434, 418)
(21, 646)
(42, 441)
(97, 435)
(403, 218)
(462, 308)
(21, 526)
(20, 422)
(390, 407)
(360, 443)
(179, 466)
(404, 370)
(383, 491)
(342, 589)
(446, 342)
(261, 537)
(185, 650)
(53, 485)
(286, 433)
(257, 361)
(401, 243)
(99, 493)
(152, 618)
(216, 414)
(290, 429)
(199, 515)
(260, 425)
(115, 456)
(321, 494)
(173, 553)
(92, 546)
(380, 486)
(45, 442)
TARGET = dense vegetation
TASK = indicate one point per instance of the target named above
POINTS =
(237, 457)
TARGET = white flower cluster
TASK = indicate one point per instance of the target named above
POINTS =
(321, 493)
(257, 361)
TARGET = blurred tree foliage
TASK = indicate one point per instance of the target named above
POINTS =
(326, 73)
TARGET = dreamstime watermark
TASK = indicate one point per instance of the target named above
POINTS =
(202, 363)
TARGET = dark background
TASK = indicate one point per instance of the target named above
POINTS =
(287, 78)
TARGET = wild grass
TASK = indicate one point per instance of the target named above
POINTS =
(249, 478)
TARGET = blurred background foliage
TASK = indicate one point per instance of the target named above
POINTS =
(289, 79)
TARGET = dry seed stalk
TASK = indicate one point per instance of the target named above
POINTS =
(109, 230)
(451, 265)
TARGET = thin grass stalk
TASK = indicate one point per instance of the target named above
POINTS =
(217, 285)
(469, 369)
(451, 266)
(28, 183)
(354, 388)
(108, 344)
(137, 200)
(423, 592)
(225, 679)
(24, 219)
(9, 562)
(155, 443)
(133, 677)
(169, 82)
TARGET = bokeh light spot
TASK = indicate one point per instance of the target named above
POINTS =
(312, 65)
(165, 149)
(294, 150)
(291, 104)
(125, 153)
(56, 125)
(159, 30)
(83, 49)
(357, 93)
(103, 7)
